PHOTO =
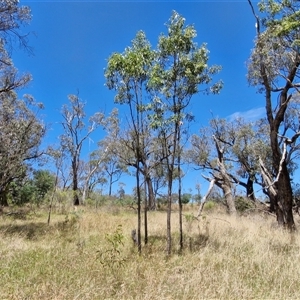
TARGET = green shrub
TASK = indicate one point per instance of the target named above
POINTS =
(242, 204)
(210, 205)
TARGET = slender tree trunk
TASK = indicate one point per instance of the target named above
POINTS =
(180, 215)
(75, 184)
(179, 195)
(145, 213)
(138, 187)
(169, 209)
(110, 185)
(139, 206)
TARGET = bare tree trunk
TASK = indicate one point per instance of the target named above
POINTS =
(169, 209)
(224, 181)
(285, 200)
(145, 213)
(179, 194)
(229, 199)
(75, 183)
(250, 189)
(75, 195)
(139, 206)
(180, 209)
(203, 200)
(110, 185)
(151, 196)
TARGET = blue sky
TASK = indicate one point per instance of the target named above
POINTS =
(72, 41)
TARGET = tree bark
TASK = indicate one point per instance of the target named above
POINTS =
(250, 189)
(229, 199)
(3, 197)
(151, 196)
(76, 201)
(224, 182)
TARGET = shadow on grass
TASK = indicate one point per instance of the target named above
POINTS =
(33, 230)
(30, 230)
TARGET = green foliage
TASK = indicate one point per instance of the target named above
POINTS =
(21, 193)
(21, 136)
(24, 190)
(43, 181)
(189, 219)
(178, 71)
(186, 198)
(196, 198)
(72, 220)
(127, 70)
(210, 205)
(242, 204)
(111, 257)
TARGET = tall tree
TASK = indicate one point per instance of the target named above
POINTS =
(21, 133)
(127, 74)
(274, 68)
(15, 132)
(181, 68)
(75, 133)
(12, 18)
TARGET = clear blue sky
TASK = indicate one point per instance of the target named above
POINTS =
(72, 40)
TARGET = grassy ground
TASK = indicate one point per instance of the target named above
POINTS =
(89, 254)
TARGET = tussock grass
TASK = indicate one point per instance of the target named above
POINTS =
(89, 254)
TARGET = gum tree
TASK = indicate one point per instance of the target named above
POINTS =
(21, 131)
(274, 69)
(75, 134)
(127, 73)
(181, 68)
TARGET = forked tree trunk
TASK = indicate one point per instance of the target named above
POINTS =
(276, 117)
(224, 181)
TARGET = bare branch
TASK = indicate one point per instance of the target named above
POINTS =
(204, 198)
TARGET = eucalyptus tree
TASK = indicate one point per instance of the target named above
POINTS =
(230, 151)
(211, 151)
(93, 167)
(121, 158)
(21, 129)
(180, 68)
(75, 134)
(127, 73)
(274, 69)
(21, 133)
(250, 143)
(12, 17)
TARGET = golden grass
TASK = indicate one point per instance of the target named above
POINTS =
(74, 258)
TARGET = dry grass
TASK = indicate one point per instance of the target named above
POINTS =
(82, 255)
